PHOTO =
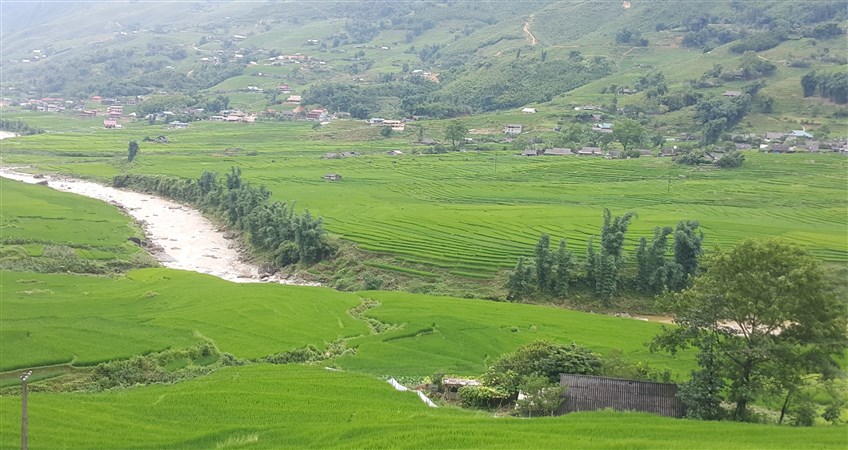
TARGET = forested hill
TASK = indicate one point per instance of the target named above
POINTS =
(434, 58)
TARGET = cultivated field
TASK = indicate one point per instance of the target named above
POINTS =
(82, 320)
(474, 213)
(264, 406)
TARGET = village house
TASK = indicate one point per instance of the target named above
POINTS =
(376, 121)
(799, 134)
(773, 136)
(284, 89)
(395, 125)
(451, 386)
(558, 152)
(780, 148)
(178, 125)
(110, 123)
(743, 146)
(668, 151)
(332, 177)
(294, 99)
(530, 152)
(513, 128)
(394, 153)
(88, 113)
(115, 111)
(644, 152)
(529, 110)
(602, 127)
(590, 151)
(320, 115)
(732, 94)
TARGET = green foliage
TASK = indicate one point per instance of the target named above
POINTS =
(482, 397)
(544, 263)
(791, 322)
(520, 281)
(628, 132)
(615, 366)
(273, 227)
(733, 158)
(541, 397)
(829, 85)
(132, 151)
(564, 266)
(19, 127)
(456, 133)
(656, 274)
(543, 359)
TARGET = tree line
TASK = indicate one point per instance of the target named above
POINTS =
(557, 273)
(273, 228)
(19, 127)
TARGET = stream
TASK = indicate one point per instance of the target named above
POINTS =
(177, 235)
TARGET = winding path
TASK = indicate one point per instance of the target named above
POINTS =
(533, 40)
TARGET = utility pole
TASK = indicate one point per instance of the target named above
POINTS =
(24, 418)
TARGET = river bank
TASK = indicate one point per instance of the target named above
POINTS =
(178, 236)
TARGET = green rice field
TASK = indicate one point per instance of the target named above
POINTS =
(60, 323)
(473, 213)
(264, 406)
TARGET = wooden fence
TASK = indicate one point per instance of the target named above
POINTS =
(587, 393)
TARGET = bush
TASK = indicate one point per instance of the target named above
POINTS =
(482, 397)
(541, 398)
(544, 359)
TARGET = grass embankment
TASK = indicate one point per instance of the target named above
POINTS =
(473, 214)
(306, 407)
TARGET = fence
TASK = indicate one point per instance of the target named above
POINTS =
(587, 393)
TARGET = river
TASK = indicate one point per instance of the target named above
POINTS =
(178, 236)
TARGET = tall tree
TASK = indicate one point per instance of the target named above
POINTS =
(132, 151)
(628, 132)
(656, 274)
(687, 250)
(544, 263)
(763, 306)
(564, 270)
(456, 133)
(520, 280)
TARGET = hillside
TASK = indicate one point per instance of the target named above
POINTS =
(437, 59)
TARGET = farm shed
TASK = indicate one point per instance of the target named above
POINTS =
(588, 393)
(452, 385)
(332, 177)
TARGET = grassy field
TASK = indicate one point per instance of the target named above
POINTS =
(51, 319)
(47, 319)
(474, 213)
(265, 406)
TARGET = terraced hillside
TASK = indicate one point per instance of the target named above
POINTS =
(474, 213)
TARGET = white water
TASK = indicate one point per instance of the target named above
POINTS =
(178, 236)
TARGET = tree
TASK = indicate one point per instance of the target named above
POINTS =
(628, 132)
(541, 397)
(456, 133)
(520, 280)
(759, 309)
(563, 272)
(656, 274)
(132, 151)
(544, 263)
(809, 83)
(687, 251)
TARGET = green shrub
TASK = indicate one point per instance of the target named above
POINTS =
(541, 358)
(482, 397)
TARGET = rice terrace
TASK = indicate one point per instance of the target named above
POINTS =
(434, 224)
